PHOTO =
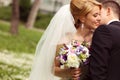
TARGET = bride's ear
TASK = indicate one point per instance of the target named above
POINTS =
(82, 19)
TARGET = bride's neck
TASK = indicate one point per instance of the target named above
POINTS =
(84, 33)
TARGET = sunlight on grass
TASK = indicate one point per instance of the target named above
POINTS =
(25, 41)
(17, 51)
(14, 66)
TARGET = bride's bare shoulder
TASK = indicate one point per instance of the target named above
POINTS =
(67, 37)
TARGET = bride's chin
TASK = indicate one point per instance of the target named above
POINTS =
(96, 26)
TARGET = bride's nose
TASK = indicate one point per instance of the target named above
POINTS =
(99, 18)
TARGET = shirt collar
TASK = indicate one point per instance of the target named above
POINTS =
(112, 21)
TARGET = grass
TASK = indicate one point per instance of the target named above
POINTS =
(25, 41)
(15, 66)
(5, 13)
(16, 52)
(14, 70)
(15, 62)
(43, 20)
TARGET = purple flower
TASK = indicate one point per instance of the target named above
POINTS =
(73, 54)
(64, 56)
(80, 48)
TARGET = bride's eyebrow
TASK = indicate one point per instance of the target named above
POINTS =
(95, 14)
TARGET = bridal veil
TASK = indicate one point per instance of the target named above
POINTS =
(43, 66)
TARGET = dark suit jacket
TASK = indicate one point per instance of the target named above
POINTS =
(105, 53)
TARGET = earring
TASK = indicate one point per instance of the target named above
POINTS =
(82, 26)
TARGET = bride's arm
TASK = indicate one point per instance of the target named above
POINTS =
(58, 71)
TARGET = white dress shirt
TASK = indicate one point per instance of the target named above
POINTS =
(112, 21)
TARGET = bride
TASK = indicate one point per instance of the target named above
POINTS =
(76, 21)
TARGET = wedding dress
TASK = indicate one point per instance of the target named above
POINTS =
(61, 24)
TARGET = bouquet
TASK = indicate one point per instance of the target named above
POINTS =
(73, 55)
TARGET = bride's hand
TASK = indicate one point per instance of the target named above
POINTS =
(72, 73)
(76, 74)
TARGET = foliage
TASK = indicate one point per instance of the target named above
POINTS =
(5, 13)
(24, 6)
(26, 41)
(43, 20)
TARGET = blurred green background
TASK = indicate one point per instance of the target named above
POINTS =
(17, 50)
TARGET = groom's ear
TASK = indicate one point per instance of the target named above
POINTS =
(109, 11)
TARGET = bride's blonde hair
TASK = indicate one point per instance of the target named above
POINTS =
(81, 8)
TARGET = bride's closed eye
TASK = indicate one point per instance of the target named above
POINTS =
(96, 14)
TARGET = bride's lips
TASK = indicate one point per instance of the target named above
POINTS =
(97, 24)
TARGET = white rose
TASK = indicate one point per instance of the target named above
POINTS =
(73, 61)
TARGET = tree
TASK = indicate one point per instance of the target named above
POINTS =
(24, 7)
(15, 17)
(57, 4)
(33, 14)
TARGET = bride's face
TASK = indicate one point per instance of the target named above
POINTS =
(92, 20)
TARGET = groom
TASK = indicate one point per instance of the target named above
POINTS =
(105, 48)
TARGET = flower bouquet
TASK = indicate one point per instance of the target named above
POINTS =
(73, 55)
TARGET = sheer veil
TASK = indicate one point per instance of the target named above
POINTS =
(61, 23)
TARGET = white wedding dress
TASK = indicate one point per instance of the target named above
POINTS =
(61, 24)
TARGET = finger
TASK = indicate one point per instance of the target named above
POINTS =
(77, 75)
(75, 78)
(76, 69)
(76, 72)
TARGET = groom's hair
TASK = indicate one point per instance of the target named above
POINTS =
(113, 5)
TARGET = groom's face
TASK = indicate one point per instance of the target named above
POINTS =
(104, 16)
